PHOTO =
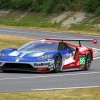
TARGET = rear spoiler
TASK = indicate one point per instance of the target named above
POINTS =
(79, 40)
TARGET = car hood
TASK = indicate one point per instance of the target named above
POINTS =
(26, 56)
(25, 53)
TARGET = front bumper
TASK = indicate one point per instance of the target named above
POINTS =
(45, 66)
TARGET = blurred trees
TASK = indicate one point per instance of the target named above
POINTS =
(92, 6)
(52, 6)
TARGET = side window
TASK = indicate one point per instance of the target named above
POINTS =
(62, 46)
(71, 49)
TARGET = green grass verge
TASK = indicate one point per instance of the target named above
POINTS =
(30, 20)
(7, 41)
(68, 94)
(42, 20)
(87, 25)
(84, 27)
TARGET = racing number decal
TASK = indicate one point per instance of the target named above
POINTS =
(82, 60)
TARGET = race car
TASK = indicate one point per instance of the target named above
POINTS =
(47, 55)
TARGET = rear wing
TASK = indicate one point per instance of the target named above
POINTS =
(79, 40)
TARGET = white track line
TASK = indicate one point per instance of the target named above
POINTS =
(96, 49)
(64, 88)
(60, 75)
(96, 58)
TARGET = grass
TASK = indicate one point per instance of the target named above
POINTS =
(30, 20)
(87, 25)
(41, 20)
(84, 27)
(68, 94)
(7, 41)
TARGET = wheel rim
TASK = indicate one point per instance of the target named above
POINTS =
(58, 63)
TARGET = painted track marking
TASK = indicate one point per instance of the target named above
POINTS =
(49, 76)
(64, 88)
(96, 58)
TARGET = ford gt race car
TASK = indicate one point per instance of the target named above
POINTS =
(47, 55)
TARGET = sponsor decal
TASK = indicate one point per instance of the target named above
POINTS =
(82, 60)
(66, 56)
(42, 64)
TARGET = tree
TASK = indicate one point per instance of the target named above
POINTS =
(5, 4)
(92, 6)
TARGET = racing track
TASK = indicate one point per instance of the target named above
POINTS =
(10, 82)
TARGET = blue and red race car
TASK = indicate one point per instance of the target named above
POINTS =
(47, 55)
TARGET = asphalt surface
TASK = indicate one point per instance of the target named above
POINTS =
(22, 81)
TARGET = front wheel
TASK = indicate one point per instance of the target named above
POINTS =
(58, 63)
(88, 61)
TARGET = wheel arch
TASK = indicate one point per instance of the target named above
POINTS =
(57, 68)
(91, 53)
(57, 54)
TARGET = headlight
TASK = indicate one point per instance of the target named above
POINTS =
(2, 54)
(46, 56)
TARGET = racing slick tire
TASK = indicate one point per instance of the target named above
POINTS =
(88, 61)
(58, 63)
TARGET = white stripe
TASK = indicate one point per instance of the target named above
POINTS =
(49, 76)
(64, 88)
(96, 49)
(96, 58)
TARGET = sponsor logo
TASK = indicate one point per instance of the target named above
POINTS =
(82, 59)
(42, 64)
(66, 56)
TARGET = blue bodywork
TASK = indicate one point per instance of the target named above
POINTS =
(38, 51)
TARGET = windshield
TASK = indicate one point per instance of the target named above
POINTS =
(39, 46)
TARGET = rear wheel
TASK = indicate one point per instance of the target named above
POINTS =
(88, 61)
(58, 63)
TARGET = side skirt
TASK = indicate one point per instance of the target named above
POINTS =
(71, 69)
